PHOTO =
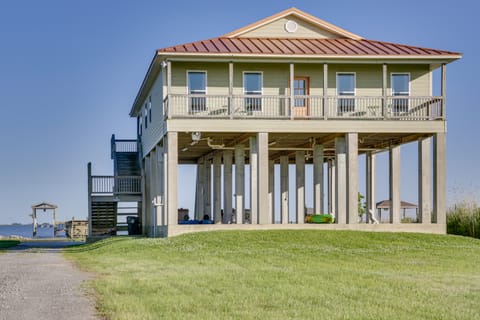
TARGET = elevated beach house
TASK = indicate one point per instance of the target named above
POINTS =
(290, 89)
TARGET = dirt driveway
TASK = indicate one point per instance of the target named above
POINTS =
(36, 282)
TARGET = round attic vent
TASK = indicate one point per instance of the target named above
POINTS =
(291, 26)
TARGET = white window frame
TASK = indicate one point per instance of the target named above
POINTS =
(145, 111)
(350, 102)
(250, 96)
(400, 105)
(150, 108)
(189, 104)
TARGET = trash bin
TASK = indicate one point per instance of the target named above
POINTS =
(133, 225)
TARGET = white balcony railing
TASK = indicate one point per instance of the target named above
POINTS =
(116, 185)
(312, 107)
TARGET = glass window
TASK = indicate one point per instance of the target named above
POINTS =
(252, 85)
(146, 116)
(197, 89)
(346, 87)
(140, 125)
(300, 89)
(150, 108)
(400, 87)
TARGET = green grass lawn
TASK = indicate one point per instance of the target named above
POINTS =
(5, 244)
(286, 275)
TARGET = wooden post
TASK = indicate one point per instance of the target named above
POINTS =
(384, 90)
(325, 91)
(292, 91)
(89, 169)
(444, 90)
(230, 89)
(34, 216)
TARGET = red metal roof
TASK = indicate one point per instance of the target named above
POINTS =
(292, 46)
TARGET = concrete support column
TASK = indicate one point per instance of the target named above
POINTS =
(207, 191)
(227, 186)
(341, 180)
(395, 184)
(424, 179)
(217, 188)
(318, 179)
(264, 216)
(162, 219)
(439, 178)
(271, 190)
(153, 189)
(352, 177)
(200, 185)
(300, 185)
(240, 183)
(370, 189)
(253, 181)
(331, 187)
(284, 185)
(148, 195)
(172, 177)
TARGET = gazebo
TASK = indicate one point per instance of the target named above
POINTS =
(44, 206)
(404, 205)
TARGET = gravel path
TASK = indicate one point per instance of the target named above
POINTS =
(37, 282)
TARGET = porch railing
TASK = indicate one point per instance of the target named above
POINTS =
(312, 107)
(116, 185)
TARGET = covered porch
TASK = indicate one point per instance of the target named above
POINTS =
(231, 164)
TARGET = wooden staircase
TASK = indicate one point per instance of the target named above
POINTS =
(103, 218)
(113, 198)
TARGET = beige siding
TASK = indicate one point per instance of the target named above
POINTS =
(369, 78)
(152, 135)
(276, 29)
(217, 76)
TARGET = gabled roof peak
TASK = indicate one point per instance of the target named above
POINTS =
(317, 22)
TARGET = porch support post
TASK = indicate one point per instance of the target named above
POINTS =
(284, 185)
(199, 196)
(263, 211)
(300, 185)
(230, 89)
(331, 187)
(239, 183)
(352, 177)
(341, 180)
(169, 84)
(325, 91)
(89, 169)
(439, 181)
(292, 91)
(153, 189)
(318, 179)
(394, 184)
(143, 215)
(370, 189)
(253, 180)
(271, 190)
(161, 186)
(148, 195)
(207, 190)
(384, 90)
(424, 178)
(217, 188)
(227, 186)
(444, 90)
(172, 177)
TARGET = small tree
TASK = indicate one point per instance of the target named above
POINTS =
(362, 206)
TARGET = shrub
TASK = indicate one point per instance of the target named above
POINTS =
(464, 219)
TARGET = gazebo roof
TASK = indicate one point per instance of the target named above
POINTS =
(44, 205)
(385, 204)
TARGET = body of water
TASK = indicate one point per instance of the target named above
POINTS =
(26, 231)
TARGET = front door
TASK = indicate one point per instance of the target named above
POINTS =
(301, 88)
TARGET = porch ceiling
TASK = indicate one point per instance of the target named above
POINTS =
(283, 143)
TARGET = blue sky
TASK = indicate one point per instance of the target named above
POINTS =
(70, 70)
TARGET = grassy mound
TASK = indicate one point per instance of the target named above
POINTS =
(464, 219)
(5, 244)
(286, 275)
